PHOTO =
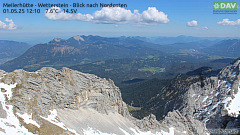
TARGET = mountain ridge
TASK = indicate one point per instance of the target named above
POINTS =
(11, 49)
(59, 53)
(228, 48)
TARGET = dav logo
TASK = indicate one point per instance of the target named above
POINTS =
(225, 5)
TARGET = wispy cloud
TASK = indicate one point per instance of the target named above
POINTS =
(8, 24)
(229, 23)
(193, 23)
(114, 15)
(202, 28)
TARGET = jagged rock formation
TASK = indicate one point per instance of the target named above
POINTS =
(199, 104)
(184, 124)
(176, 88)
(214, 101)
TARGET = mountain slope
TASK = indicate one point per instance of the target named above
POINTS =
(79, 50)
(165, 67)
(219, 99)
(156, 104)
(138, 94)
(182, 39)
(186, 48)
(228, 48)
(11, 49)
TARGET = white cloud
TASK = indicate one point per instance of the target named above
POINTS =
(202, 28)
(193, 23)
(114, 15)
(8, 24)
(230, 23)
(152, 15)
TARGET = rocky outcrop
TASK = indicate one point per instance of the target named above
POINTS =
(48, 89)
(148, 123)
(66, 101)
(37, 93)
(184, 124)
(214, 101)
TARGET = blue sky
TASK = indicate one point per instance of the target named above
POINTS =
(199, 14)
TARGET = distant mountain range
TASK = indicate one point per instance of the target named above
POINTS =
(79, 50)
(183, 39)
(173, 40)
(228, 48)
(186, 48)
(11, 49)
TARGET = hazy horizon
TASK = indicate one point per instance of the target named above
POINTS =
(141, 18)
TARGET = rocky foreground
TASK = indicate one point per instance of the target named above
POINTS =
(51, 101)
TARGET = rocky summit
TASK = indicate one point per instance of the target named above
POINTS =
(66, 101)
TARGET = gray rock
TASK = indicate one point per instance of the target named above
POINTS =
(148, 123)
(184, 124)
(48, 89)
(3, 113)
(2, 73)
(205, 101)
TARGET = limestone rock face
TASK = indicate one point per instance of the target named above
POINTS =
(148, 123)
(37, 93)
(66, 101)
(48, 89)
(213, 101)
(184, 125)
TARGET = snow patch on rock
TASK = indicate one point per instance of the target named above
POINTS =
(234, 106)
(28, 119)
(10, 124)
